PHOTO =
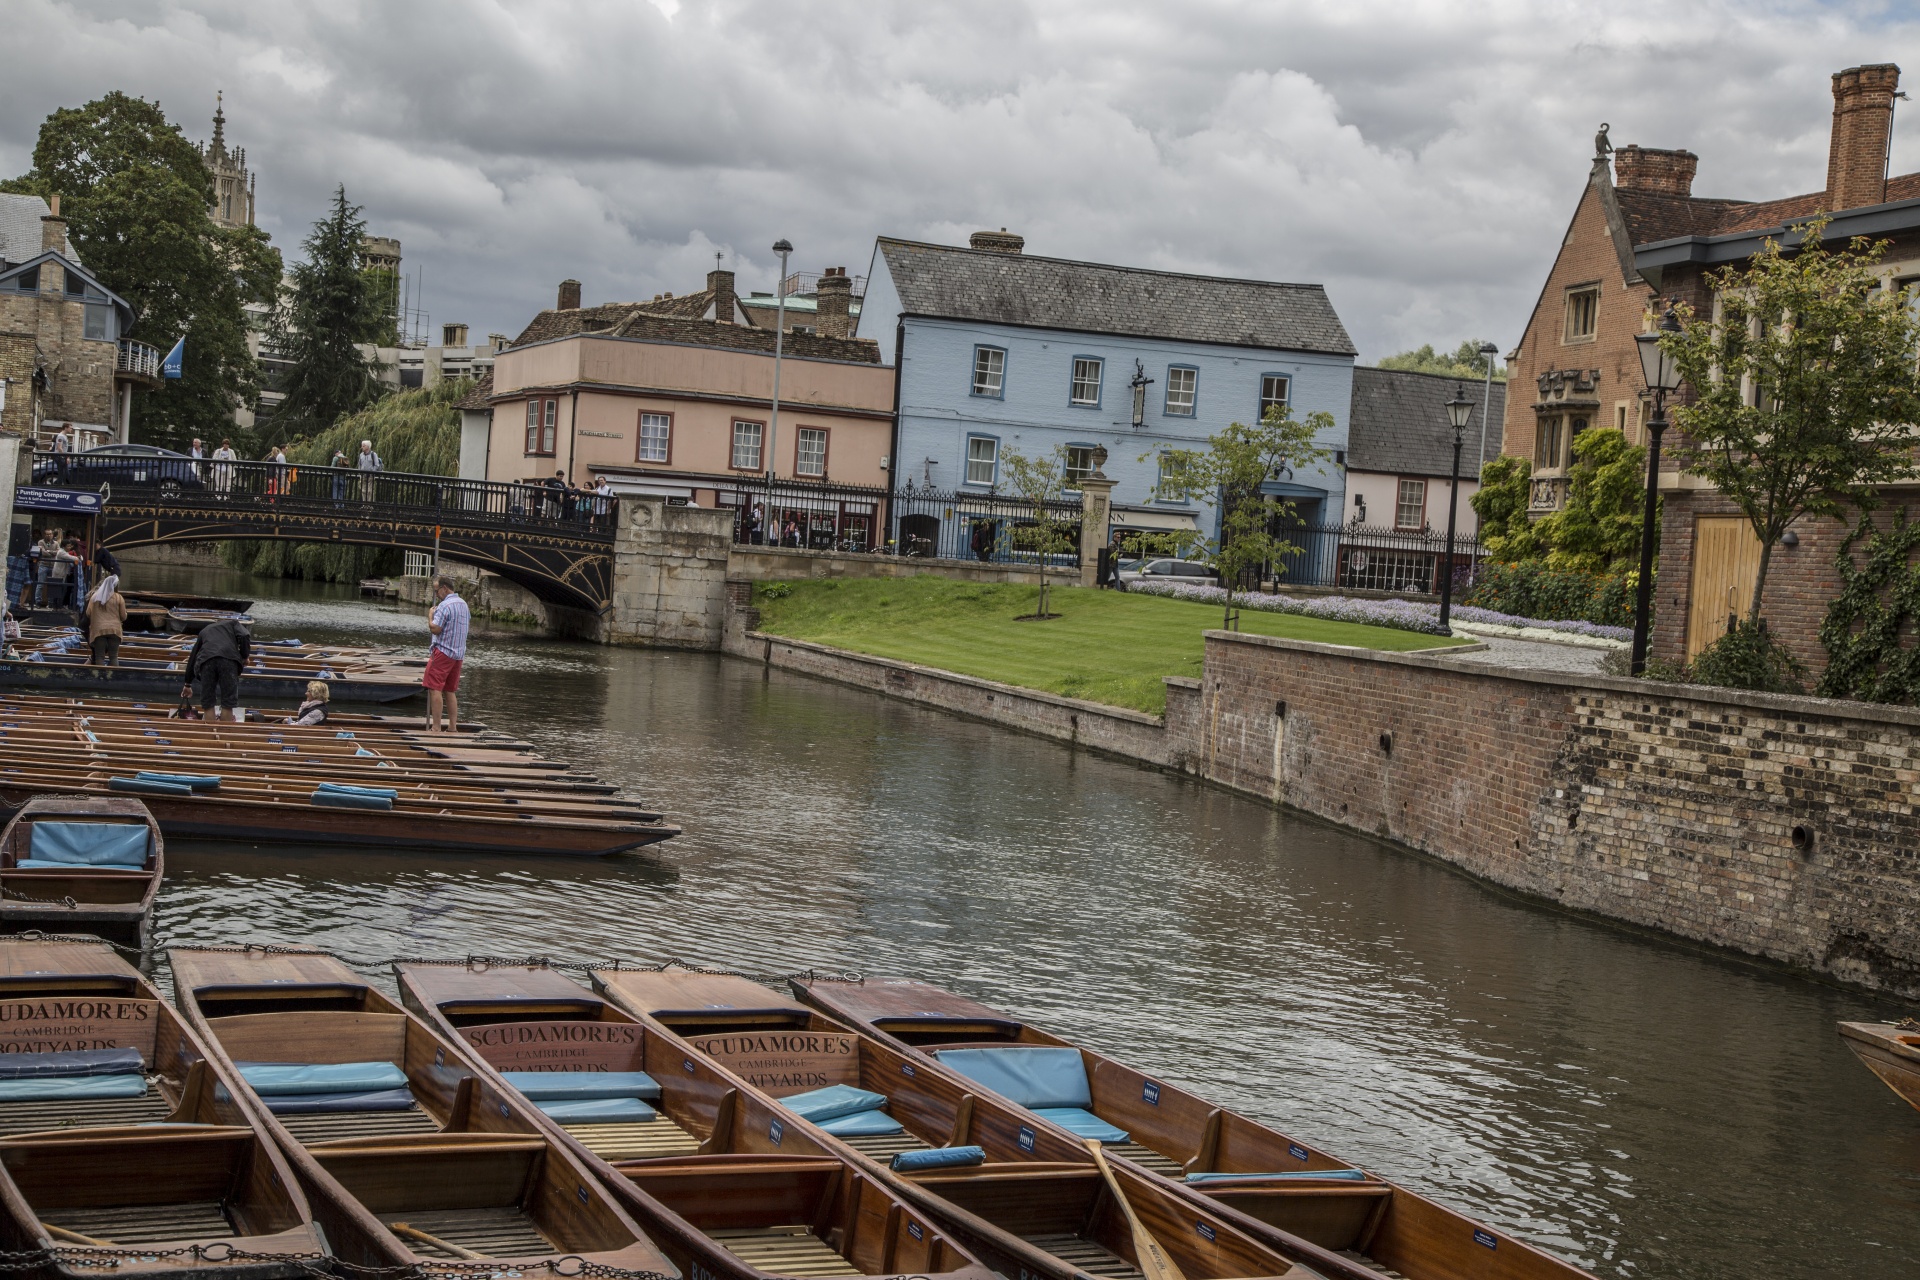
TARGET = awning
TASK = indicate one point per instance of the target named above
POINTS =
(1126, 518)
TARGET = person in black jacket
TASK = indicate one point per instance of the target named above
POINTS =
(213, 668)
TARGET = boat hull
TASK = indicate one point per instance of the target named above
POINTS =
(126, 681)
(1890, 1052)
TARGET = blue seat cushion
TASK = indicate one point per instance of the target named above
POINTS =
(862, 1124)
(1347, 1175)
(1031, 1075)
(76, 1062)
(346, 789)
(600, 1111)
(1081, 1123)
(90, 844)
(297, 1104)
(60, 1088)
(270, 1079)
(937, 1158)
(832, 1102)
(140, 786)
(580, 1086)
(349, 800)
(192, 781)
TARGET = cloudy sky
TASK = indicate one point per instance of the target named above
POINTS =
(1419, 159)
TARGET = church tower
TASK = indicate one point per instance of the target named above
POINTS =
(232, 184)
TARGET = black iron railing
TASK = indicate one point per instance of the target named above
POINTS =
(1362, 558)
(988, 527)
(352, 494)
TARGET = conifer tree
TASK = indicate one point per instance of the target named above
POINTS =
(330, 307)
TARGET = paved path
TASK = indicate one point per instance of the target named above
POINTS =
(1537, 655)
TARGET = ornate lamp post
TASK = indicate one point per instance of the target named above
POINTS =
(1459, 410)
(1662, 376)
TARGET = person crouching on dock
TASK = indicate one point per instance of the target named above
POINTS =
(213, 668)
(448, 620)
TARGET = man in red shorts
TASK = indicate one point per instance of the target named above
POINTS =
(448, 620)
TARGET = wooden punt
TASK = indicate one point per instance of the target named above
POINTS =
(113, 902)
(187, 620)
(1036, 1207)
(714, 1191)
(160, 681)
(464, 1173)
(180, 1165)
(1174, 1133)
(1891, 1051)
(187, 600)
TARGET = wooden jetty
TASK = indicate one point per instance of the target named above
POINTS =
(91, 864)
(1891, 1051)
(121, 1145)
(728, 1199)
(408, 1156)
(1024, 1196)
(1280, 1181)
(280, 784)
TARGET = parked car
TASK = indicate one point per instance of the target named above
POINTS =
(126, 466)
(1193, 570)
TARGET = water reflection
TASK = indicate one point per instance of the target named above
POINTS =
(1643, 1107)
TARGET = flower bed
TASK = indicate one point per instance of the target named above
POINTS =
(1402, 615)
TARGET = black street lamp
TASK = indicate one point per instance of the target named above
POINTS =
(1459, 409)
(1662, 376)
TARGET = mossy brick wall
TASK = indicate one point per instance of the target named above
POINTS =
(1672, 807)
(79, 369)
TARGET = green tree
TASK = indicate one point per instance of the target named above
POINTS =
(412, 431)
(137, 197)
(1237, 462)
(1598, 530)
(1501, 501)
(1041, 482)
(331, 306)
(1464, 361)
(1805, 392)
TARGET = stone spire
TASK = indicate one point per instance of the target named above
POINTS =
(219, 146)
(233, 186)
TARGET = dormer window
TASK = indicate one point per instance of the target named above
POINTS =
(26, 281)
(76, 287)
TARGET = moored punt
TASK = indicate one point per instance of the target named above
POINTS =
(407, 1155)
(695, 1156)
(1279, 1181)
(122, 1149)
(88, 863)
(1026, 1198)
(163, 679)
(1891, 1051)
(187, 600)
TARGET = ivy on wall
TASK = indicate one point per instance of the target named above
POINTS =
(1869, 631)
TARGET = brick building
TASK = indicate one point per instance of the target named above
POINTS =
(63, 361)
(1639, 234)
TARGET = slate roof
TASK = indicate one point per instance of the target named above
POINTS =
(1653, 217)
(20, 229)
(477, 398)
(1398, 422)
(641, 320)
(1085, 297)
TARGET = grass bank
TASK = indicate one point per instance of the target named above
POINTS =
(1106, 646)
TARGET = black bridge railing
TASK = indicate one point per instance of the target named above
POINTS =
(349, 494)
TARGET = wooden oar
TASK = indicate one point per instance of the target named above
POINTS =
(414, 1233)
(1153, 1260)
(74, 1237)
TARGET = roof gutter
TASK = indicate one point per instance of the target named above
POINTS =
(1650, 260)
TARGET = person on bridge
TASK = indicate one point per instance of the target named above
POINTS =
(213, 668)
(448, 620)
(223, 459)
(340, 466)
(106, 622)
(198, 452)
(368, 464)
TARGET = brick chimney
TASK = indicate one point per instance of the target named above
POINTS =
(453, 335)
(833, 302)
(569, 296)
(53, 228)
(1667, 173)
(720, 285)
(1862, 129)
(997, 241)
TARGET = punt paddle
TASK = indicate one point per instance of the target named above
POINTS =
(1154, 1262)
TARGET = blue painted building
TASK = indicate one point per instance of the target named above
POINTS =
(997, 350)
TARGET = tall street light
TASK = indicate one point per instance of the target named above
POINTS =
(1662, 375)
(1459, 411)
(1487, 352)
(782, 248)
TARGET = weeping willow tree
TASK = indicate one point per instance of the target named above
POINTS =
(413, 431)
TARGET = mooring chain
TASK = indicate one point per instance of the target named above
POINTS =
(322, 1266)
(65, 900)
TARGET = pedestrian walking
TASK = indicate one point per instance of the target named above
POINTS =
(106, 622)
(448, 621)
(219, 654)
(223, 459)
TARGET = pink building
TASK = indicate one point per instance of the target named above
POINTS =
(681, 406)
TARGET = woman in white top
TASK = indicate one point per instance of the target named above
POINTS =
(223, 458)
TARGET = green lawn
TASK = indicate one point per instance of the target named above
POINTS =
(1106, 646)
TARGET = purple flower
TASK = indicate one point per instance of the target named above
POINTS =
(1401, 615)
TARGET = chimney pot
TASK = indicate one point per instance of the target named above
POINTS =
(569, 296)
(833, 303)
(720, 285)
(1862, 130)
(453, 335)
(997, 241)
(1668, 173)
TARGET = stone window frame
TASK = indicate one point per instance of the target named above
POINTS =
(1077, 381)
(640, 438)
(982, 355)
(1402, 502)
(1582, 306)
(1191, 407)
(800, 435)
(759, 446)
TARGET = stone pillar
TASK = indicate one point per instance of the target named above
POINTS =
(669, 575)
(1096, 513)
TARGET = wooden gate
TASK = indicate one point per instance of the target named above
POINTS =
(1726, 560)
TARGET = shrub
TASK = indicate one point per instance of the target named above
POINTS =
(1878, 605)
(1530, 589)
(1748, 657)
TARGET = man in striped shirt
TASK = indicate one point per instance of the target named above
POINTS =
(448, 620)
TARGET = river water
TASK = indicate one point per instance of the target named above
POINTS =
(1640, 1106)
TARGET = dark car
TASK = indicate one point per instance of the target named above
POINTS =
(124, 466)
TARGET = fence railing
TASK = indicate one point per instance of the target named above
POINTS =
(350, 493)
(138, 358)
(1363, 558)
(920, 523)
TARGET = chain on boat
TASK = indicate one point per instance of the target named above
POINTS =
(322, 1266)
